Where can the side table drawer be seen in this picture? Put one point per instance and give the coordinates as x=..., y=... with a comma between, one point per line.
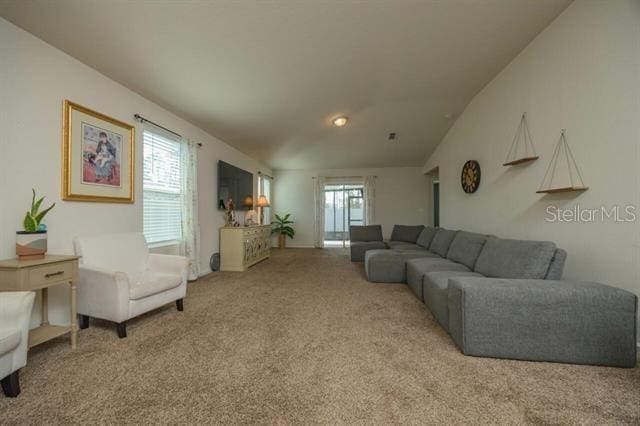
x=51, y=273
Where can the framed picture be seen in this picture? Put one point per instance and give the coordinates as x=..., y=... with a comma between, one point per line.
x=97, y=157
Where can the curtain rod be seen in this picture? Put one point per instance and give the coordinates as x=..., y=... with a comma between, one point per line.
x=264, y=174
x=342, y=177
x=141, y=119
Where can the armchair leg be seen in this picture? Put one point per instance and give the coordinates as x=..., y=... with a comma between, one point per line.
x=83, y=321
x=122, y=329
x=11, y=384
x=180, y=305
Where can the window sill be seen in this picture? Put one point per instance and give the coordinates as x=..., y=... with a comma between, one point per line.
x=164, y=244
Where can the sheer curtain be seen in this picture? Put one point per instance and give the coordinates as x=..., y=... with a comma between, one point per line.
x=318, y=195
x=369, y=200
x=190, y=224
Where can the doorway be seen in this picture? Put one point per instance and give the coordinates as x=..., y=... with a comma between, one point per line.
x=436, y=203
x=343, y=207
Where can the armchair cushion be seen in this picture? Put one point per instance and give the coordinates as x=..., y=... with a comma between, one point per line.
x=9, y=340
x=151, y=283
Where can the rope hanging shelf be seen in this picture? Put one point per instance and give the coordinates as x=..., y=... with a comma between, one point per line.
x=522, y=149
x=575, y=184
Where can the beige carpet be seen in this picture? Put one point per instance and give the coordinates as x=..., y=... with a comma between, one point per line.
x=303, y=338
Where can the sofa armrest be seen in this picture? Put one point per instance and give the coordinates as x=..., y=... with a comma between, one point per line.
x=169, y=264
x=103, y=294
x=543, y=320
x=15, y=314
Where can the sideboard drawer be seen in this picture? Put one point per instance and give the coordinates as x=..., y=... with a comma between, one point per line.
x=51, y=273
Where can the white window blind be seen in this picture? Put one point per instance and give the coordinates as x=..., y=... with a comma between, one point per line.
x=162, y=183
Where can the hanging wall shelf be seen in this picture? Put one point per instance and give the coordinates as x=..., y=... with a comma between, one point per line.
x=522, y=149
x=551, y=181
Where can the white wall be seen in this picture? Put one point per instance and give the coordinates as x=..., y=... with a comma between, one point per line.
x=402, y=195
x=35, y=78
x=583, y=74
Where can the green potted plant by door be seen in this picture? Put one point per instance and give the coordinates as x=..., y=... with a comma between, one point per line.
x=282, y=228
x=31, y=242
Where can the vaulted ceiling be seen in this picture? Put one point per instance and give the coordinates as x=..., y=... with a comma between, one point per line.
x=268, y=77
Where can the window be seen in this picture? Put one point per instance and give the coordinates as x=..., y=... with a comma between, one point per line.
x=264, y=188
x=162, y=183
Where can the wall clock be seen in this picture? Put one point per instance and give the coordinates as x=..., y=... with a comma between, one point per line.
x=470, y=178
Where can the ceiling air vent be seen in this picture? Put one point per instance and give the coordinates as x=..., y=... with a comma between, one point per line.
x=392, y=136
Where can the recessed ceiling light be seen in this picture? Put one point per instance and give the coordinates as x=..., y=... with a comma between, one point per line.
x=448, y=116
x=340, y=121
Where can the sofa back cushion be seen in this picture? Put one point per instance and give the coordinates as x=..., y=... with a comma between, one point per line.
x=124, y=252
x=442, y=241
x=407, y=233
x=365, y=233
x=466, y=247
x=557, y=265
x=426, y=236
x=502, y=258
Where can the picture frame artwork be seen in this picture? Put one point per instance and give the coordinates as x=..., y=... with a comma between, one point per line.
x=98, y=157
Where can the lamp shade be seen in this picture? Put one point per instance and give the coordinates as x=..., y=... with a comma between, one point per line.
x=263, y=202
x=248, y=201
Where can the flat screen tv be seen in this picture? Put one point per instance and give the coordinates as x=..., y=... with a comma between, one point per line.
x=233, y=183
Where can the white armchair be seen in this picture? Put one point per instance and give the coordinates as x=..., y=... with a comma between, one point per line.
x=120, y=279
x=15, y=313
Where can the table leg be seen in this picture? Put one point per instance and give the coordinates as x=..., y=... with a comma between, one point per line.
x=74, y=316
x=45, y=306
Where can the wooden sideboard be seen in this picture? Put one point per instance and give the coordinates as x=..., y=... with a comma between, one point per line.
x=243, y=246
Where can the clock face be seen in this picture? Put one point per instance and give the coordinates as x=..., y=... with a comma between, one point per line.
x=470, y=178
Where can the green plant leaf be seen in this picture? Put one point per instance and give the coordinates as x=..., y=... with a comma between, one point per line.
x=278, y=218
x=42, y=214
x=29, y=223
x=35, y=207
x=33, y=197
x=287, y=216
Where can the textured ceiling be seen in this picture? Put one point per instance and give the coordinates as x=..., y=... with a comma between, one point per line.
x=267, y=77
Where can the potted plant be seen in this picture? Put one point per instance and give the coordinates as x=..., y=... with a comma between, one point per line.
x=31, y=242
x=282, y=228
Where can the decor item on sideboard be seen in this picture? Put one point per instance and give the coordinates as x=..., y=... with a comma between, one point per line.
x=282, y=228
x=470, y=177
x=558, y=181
x=522, y=149
x=230, y=213
x=262, y=203
x=31, y=242
x=97, y=157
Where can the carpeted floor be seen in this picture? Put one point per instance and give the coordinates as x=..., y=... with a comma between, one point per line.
x=303, y=338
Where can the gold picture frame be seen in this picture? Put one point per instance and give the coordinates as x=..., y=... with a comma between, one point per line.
x=98, y=157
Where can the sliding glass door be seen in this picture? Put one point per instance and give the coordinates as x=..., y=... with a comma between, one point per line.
x=343, y=207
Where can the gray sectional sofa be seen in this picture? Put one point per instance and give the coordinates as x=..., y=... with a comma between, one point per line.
x=504, y=298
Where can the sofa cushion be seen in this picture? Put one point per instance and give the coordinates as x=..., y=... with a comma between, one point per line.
x=9, y=340
x=435, y=293
x=402, y=245
x=418, y=267
x=150, y=283
x=389, y=266
x=442, y=241
x=503, y=258
x=365, y=233
x=359, y=248
x=426, y=236
x=407, y=233
x=557, y=265
x=466, y=247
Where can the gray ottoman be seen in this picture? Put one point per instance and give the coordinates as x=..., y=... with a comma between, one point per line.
x=543, y=320
x=389, y=266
